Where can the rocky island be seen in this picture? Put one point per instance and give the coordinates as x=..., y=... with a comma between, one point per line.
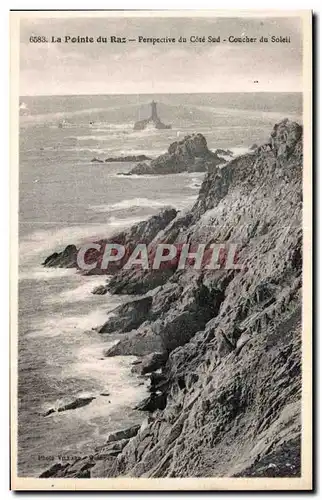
x=191, y=154
x=222, y=348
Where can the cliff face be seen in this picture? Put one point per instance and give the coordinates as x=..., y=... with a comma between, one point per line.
x=227, y=400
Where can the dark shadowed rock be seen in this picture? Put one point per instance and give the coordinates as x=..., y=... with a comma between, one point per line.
x=224, y=152
x=55, y=470
x=150, y=363
x=123, y=434
x=48, y=412
x=152, y=403
x=143, y=232
x=128, y=316
x=77, y=403
x=97, y=160
x=99, y=290
x=189, y=155
x=137, y=343
x=128, y=158
x=67, y=258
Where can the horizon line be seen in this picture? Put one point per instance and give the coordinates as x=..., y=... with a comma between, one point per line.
x=166, y=93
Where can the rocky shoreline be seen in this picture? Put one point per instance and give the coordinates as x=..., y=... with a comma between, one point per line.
x=222, y=348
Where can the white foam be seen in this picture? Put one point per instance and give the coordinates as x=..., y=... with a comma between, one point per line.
x=56, y=324
x=195, y=183
x=43, y=241
x=123, y=387
x=80, y=293
x=125, y=204
x=239, y=151
x=45, y=273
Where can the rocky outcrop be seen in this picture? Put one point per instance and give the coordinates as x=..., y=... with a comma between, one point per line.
x=191, y=154
x=96, y=160
x=123, y=434
x=144, y=232
x=128, y=316
x=67, y=258
x=227, y=402
x=76, y=403
x=224, y=152
x=150, y=363
x=99, y=290
x=127, y=159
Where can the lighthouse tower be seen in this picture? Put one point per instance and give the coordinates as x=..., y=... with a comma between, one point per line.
x=154, y=114
x=152, y=122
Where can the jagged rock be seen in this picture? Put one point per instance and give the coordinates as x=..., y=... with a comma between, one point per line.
x=143, y=232
x=99, y=290
x=55, y=470
x=253, y=147
x=137, y=282
x=150, y=363
x=190, y=154
x=128, y=316
x=67, y=258
x=153, y=402
x=284, y=138
x=123, y=434
x=136, y=343
x=224, y=152
x=97, y=160
x=113, y=448
x=48, y=412
x=77, y=403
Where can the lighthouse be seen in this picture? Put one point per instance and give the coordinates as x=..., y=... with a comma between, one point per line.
x=154, y=114
x=152, y=122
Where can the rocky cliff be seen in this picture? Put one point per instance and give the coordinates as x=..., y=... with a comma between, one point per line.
x=222, y=348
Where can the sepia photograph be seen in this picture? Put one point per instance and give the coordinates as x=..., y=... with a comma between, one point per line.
x=161, y=174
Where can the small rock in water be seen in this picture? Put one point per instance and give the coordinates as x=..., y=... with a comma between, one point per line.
x=48, y=412
x=99, y=290
x=77, y=403
x=105, y=393
x=97, y=160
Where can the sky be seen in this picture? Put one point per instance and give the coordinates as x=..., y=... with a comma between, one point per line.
x=135, y=68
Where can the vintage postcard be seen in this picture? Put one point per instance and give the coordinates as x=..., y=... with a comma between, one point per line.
x=161, y=177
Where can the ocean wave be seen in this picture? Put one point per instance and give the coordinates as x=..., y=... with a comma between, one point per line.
x=126, y=204
x=79, y=293
x=45, y=273
x=61, y=115
x=196, y=181
x=56, y=325
x=37, y=245
x=123, y=223
x=237, y=151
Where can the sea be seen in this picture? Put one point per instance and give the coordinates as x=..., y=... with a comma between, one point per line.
x=66, y=198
